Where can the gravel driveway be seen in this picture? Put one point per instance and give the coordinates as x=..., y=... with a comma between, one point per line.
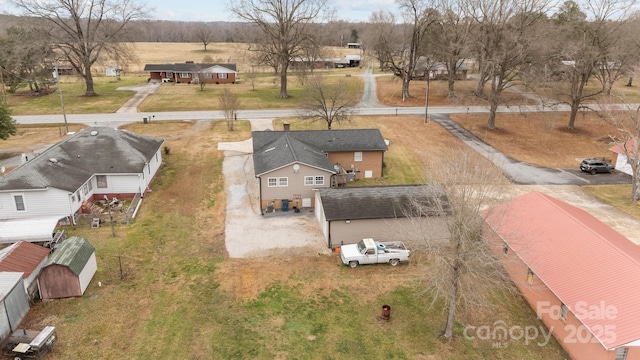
x=247, y=232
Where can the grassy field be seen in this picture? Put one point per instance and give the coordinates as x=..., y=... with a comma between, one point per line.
x=177, y=97
x=183, y=297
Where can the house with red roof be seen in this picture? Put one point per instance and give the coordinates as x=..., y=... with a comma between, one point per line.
x=580, y=276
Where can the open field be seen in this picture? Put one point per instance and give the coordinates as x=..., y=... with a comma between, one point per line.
x=182, y=297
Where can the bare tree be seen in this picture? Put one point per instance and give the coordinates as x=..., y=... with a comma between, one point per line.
x=84, y=30
x=588, y=43
x=330, y=103
x=509, y=39
x=229, y=103
x=204, y=32
x=252, y=77
x=450, y=40
x=402, y=56
x=465, y=270
x=285, y=25
x=25, y=55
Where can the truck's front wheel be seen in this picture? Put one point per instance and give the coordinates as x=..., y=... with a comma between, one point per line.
x=353, y=264
x=394, y=262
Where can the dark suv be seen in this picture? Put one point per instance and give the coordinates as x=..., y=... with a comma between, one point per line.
x=593, y=166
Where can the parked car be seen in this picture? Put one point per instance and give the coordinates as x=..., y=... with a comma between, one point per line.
x=594, y=166
x=368, y=251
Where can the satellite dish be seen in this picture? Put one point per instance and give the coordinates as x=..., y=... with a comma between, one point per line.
x=2, y=169
x=296, y=167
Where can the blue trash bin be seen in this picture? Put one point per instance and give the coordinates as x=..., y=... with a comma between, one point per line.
x=285, y=205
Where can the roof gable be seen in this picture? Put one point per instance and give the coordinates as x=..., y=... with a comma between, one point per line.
x=74, y=253
x=381, y=202
x=579, y=258
x=70, y=163
x=285, y=150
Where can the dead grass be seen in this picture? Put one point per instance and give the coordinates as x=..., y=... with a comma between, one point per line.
x=543, y=138
x=390, y=93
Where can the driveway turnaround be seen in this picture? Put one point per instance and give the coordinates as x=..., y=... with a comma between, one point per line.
x=248, y=233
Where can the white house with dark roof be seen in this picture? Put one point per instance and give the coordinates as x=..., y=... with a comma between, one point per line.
x=289, y=165
x=92, y=163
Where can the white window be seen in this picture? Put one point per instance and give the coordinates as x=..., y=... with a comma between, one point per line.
x=101, y=181
x=313, y=180
x=19, y=200
x=272, y=182
x=222, y=75
x=563, y=312
x=283, y=181
x=277, y=182
x=357, y=156
x=621, y=353
x=85, y=189
x=208, y=75
x=308, y=181
x=185, y=75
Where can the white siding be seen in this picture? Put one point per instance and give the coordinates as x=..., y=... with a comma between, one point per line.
x=129, y=183
x=52, y=202
x=622, y=164
x=5, y=326
x=87, y=272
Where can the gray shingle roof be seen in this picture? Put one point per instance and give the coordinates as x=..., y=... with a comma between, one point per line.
x=74, y=253
x=184, y=67
x=70, y=163
x=382, y=202
x=274, y=149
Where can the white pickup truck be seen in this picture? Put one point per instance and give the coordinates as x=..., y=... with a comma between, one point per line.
x=368, y=251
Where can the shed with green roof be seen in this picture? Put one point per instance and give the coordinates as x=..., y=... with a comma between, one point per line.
x=69, y=270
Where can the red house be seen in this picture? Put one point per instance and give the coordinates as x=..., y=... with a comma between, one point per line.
x=580, y=276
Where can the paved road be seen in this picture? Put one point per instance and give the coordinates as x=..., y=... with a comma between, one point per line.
x=519, y=173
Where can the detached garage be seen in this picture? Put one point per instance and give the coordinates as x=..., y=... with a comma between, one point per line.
x=13, y=302
x=69, y=270
x=411, y=213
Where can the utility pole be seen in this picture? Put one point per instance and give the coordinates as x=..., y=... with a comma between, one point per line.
x=426, y=102
x=64, y=114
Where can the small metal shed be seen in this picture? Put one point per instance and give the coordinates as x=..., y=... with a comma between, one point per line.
x=27, y=258
x=69, y=270
x=14, y=304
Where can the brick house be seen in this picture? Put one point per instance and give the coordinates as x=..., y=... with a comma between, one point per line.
x=192, y=73
x=291, y=164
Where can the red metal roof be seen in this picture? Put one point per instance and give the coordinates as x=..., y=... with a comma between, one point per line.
x=628, y=148
x=22, y=257
x=581, y=260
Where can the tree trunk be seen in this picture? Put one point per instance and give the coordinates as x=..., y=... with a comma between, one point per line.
x=453, y=300
x=630, y=83
x=405, y=87
x=480, y=87
x=451, y=92
x=284, y=65
x=573, y=114
x=635, y=186
x=88, y=79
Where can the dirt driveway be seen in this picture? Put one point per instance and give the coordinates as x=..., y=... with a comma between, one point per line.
x=248, y=233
